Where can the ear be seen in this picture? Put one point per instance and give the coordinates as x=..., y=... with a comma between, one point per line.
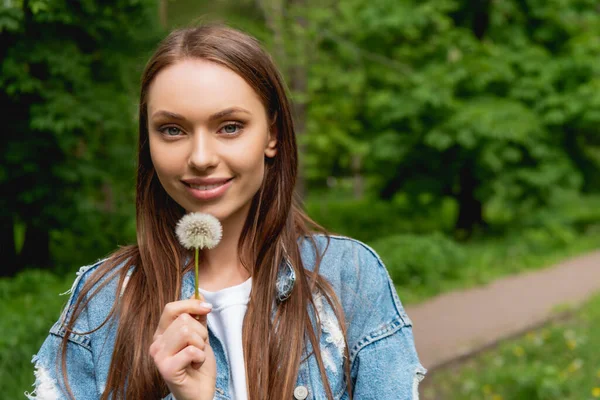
x=271, y=149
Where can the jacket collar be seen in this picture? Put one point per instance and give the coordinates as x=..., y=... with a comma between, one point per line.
x=286, y=278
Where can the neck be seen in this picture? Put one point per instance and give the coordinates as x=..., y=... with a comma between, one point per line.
x=221, y=267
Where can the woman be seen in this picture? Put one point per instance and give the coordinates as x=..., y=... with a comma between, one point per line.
x=216, y=136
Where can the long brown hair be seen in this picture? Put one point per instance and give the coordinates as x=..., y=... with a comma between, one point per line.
x=271, y=234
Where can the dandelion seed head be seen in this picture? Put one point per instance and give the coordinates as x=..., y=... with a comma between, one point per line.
x=199, y=230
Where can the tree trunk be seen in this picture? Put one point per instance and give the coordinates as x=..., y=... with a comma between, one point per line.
x=36, y=249
x=480, y=17
x=357, y=178
x=577, y=155
x=273, y=13
x=393, y=185
x=8, y=252
x=293, y=67
x=299, y=85
x=470, y=212
x=108, y=205
x=163, y=13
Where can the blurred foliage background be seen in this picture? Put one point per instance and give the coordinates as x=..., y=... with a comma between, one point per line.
x=459, y=138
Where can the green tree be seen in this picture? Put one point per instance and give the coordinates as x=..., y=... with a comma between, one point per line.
x=68, y=75
x=490, y=103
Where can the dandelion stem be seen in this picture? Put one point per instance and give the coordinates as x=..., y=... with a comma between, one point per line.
x=196, y=294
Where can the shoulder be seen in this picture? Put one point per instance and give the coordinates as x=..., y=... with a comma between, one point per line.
x=348, y=264
x=362, y=283
x=97, y=282
x=336, y=250
x=81, y=277
x=83, y=337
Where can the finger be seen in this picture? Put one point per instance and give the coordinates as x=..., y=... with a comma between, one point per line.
x=189, y=356
x=156, y=346
x=183, y=332
x=177, y=308
x=200, y=296
x=199, y=317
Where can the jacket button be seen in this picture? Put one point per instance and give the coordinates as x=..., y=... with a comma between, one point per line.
x=300, y=393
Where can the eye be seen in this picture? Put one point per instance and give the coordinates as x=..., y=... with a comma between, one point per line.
x=170, y=131
x=232, y=128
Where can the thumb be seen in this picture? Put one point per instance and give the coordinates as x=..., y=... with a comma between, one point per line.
x=200, y=317
x=199, y=297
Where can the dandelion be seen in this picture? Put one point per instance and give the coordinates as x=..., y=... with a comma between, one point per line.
x=545, y=334
x=563, y=375
x=487, y=389
x=498, y=361
x=538, y=341
x=575, y=365
x=518, y=351
x=198, y=231
x=570, y=334
x=596, y=392
x=469, y=385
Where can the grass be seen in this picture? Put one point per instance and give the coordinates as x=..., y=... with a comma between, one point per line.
x=559, y=361
x=29, y=305
x=489, y=260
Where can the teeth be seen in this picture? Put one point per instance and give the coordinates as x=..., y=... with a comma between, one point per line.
x=206, y=187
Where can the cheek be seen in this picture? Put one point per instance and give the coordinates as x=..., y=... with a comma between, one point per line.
x=164, y=160
x=246, y=157
x=249, y=165
x=259, y=161
x=256, y=179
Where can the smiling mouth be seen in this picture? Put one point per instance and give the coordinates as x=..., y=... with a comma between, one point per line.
x=208, y=187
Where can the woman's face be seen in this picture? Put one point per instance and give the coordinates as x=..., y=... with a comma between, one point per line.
x=209, y=136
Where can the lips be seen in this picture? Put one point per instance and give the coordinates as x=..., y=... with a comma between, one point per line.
x=207, y=188
x=205, y=181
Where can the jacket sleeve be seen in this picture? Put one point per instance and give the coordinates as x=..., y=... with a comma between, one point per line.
x=49, y=383
x=384, y=360
x=388, y=368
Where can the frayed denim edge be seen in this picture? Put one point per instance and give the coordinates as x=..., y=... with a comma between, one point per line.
x=45, y=386
x=419, y=376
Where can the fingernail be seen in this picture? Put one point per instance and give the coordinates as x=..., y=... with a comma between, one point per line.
x=206, y=305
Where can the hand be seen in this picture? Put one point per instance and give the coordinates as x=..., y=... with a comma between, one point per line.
x=182, y=353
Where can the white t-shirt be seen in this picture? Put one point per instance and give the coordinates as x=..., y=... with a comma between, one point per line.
x=225, y=321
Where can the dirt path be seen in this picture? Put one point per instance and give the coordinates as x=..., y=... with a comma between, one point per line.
x=457, y=324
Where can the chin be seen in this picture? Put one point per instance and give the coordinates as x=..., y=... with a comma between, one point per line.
x=221, y=209
x=217, y=212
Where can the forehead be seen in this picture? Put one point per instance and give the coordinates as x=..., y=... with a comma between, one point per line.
x=196, y=86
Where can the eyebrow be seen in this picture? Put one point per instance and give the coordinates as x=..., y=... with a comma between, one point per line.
x=218, y=115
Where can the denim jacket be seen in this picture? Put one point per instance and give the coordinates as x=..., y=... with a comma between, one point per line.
x=384, y=363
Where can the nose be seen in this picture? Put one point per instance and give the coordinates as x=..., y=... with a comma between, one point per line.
x=203, y=155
